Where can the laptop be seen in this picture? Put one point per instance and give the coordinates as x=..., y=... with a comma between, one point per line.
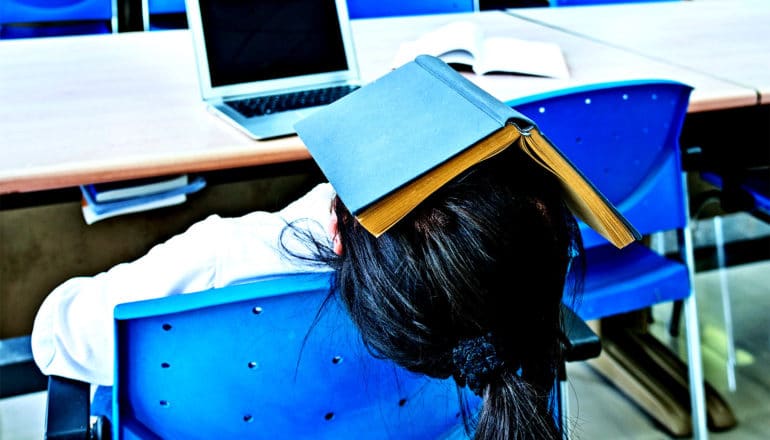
x=265, y=64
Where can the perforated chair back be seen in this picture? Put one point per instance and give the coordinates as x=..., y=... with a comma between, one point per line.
x=371, y=9
x=625, y=137
x=38, y=18
x=259, y=361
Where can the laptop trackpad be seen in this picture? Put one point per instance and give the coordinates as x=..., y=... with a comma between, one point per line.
x=276, y=124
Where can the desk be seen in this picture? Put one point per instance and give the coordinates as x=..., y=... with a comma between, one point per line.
x=588, y=61
x=76, y=110
x=109, y=107
x=729, y=40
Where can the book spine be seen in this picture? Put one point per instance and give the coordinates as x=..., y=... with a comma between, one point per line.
x=128, y=189
x=490, y=105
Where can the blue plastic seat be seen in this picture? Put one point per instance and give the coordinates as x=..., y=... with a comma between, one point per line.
x=625, y=137
x=45, y=18
x=371, y=9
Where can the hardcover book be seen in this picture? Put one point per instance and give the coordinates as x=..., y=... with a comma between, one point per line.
x=94, y=210
x=389, y=145
x=126, y=189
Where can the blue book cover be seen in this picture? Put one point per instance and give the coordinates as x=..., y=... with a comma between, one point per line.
x=389, y=145
x=124, y=204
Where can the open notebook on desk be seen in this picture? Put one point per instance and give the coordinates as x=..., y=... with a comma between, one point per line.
x=265, y=65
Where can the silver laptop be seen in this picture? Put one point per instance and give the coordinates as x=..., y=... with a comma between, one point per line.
x=265, y=64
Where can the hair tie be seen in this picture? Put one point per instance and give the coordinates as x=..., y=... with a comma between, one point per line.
x=475, y=361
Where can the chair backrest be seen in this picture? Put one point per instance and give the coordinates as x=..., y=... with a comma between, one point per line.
x=257, y=360
x=166, y=6
x=32, y=18
x=378, y=8
x=625, y=137
x=164, y=14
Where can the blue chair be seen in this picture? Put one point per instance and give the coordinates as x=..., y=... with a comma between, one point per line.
x=371, y=9
x=625, y=137
x=164, y=14
x=268, y=359
x=46, y=18
x=274, y=359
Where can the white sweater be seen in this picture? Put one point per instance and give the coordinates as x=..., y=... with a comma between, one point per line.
x=73, y=330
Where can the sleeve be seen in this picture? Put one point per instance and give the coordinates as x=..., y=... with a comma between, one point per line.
x=72, y=334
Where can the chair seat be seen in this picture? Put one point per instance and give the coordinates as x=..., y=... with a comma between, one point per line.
x=53, y=29
x=46, y=18
x=621, y=280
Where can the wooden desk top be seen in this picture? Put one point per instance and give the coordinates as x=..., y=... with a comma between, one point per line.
x=85, y=109
x=726, y=39
x=77, y=110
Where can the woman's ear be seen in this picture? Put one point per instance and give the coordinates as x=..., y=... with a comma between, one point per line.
x=334, y=233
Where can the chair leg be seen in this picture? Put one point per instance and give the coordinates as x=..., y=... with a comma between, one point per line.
x=695, y=362
x=727, y=312
x=695, y=369
x=67, y=412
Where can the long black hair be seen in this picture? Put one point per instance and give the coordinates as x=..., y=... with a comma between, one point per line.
x=469, y=285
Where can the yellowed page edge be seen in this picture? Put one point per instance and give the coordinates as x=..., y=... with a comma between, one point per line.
x=383, y=214
x=581, y=197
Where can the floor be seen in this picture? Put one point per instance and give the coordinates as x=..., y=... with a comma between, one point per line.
x=600, y=411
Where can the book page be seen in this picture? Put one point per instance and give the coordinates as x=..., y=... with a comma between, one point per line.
x=458, y=42
x=513, y=55
x=585, y=200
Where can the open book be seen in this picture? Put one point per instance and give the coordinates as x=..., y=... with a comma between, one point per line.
x=389, y=145
x=463, y=44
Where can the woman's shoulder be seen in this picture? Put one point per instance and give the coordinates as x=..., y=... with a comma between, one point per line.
x=315, y=204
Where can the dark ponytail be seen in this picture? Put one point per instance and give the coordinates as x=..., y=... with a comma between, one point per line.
x=514, y=409
x=469, y=285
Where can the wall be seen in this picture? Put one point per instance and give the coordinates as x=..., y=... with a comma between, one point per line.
x=42, y=246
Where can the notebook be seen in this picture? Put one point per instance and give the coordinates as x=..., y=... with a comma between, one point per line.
x=258, y=60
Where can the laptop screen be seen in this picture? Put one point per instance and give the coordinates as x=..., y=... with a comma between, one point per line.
x=248, y=41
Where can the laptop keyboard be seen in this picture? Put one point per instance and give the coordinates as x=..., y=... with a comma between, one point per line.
x=263, y=105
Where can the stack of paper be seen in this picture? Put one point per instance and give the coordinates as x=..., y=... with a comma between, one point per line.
x=105, y=200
